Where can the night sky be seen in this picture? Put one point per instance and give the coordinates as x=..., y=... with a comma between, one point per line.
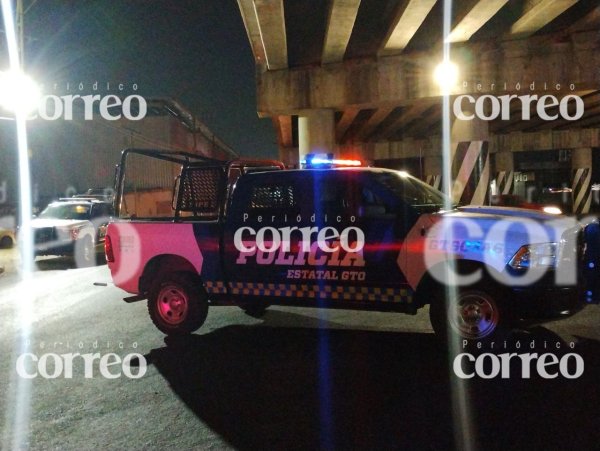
x=195, y=51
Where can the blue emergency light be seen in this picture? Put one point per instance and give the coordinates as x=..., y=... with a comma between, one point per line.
x=324, y=161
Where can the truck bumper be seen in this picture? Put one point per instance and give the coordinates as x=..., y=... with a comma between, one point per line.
x=546, y=303
x=55, y=248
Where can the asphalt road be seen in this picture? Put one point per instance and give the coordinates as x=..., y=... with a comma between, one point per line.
x=298, y=378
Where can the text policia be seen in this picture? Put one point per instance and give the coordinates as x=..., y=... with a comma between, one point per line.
x=331, y=248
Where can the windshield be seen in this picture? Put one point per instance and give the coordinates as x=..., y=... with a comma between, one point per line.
x=66, y=211
x=412, y=191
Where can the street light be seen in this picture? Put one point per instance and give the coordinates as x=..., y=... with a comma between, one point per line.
x=18, y=92
x=446, y=75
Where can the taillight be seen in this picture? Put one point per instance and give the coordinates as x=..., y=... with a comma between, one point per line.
x=108, y=249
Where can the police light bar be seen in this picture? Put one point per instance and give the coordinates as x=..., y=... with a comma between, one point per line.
x=327, y=161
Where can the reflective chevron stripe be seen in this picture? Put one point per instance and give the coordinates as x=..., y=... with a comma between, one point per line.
x=434, y=181
x=215, y=287
x=339, y=292
x=504, y=182
x=471, y=173
x=582, y=193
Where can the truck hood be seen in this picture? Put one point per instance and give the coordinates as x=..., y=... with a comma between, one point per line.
x=544, y=227
x=495, y=233
x=39, y=223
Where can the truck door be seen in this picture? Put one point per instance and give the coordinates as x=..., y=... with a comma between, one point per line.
x=368, y=211
x=262, y=207
x=343, y=236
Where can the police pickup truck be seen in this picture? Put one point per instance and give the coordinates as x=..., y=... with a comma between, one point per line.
x=189, y=232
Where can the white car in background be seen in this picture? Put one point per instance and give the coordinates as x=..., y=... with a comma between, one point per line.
x=74, y=226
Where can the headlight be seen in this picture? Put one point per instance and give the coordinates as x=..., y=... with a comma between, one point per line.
x=553, y=210
x=534, y=256
x=69, y=233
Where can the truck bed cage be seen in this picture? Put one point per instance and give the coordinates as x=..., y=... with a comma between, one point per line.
x=190, y=162
x=194, y=160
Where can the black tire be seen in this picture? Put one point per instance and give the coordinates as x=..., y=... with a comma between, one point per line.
x=6, y=242
x=177, y=304
x=470, y=313
x=85, y=253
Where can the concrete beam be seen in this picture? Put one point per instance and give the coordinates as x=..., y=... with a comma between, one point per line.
x=512, y=142
x=592, y=106
x=271, y=23
x=409, y=148
x=345, y=121
x=411, y=113
x=373, y=122
x=339, y=28
x=431, y=123
x=406, y=25
x=591, y=118
x=476, y=18
x=252, y=30
x=549, y=139
x=590, y=98
x=590, y=21
x=400, y=80
x=537, y=14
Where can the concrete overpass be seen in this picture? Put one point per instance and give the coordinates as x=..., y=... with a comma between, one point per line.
x=354, y=77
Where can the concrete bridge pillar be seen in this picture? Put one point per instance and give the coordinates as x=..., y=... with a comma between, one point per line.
x=316, y=132
x=470, y=169
x=581, y=165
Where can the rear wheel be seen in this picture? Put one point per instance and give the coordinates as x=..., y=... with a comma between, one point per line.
x=470, y=313
x=177, y=304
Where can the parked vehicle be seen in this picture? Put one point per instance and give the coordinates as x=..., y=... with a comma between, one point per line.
x=359, y=238
x=72, y=226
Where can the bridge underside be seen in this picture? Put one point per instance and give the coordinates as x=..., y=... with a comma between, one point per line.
x=355, y=78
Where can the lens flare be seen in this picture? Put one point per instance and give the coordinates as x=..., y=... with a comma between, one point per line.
x=19, y=402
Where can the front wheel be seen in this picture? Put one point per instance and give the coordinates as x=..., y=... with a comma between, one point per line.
x=177, y=304
x=85, y=253
x=6, y=242
x=471, y=314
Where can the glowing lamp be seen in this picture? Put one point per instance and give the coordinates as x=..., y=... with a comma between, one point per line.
x=18, y=92
x=446, y=75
